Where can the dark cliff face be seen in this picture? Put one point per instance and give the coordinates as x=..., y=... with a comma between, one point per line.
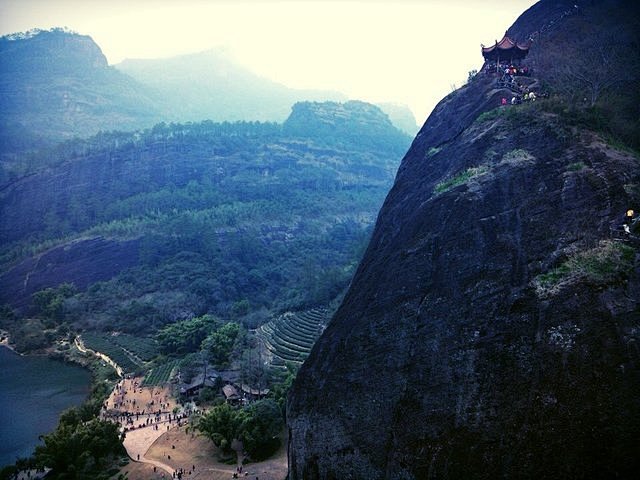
x=81, y=262
x=491, y=329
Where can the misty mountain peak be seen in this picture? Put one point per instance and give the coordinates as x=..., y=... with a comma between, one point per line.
x=336, y=113
x=50, y=51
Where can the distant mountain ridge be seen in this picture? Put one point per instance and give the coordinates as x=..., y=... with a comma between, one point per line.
x=45, y=51
x=211, y=86
x=57, y=84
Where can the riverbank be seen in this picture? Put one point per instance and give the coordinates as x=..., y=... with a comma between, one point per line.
x=5, y=341
x=22, y=428
x=35, y=390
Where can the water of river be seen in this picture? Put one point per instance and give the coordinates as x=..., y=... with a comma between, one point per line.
x=33, y=393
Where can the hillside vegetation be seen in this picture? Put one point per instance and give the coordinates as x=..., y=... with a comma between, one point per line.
x=240, y=220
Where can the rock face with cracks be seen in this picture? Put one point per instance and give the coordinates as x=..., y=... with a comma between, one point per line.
x=492, y=328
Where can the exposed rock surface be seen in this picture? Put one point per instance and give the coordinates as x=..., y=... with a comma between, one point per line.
x=492, y=328
x=82, y=262
x=352, y=121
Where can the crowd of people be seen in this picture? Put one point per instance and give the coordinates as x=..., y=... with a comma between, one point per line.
x=518, y=99
x=509, y=77
x=131, y=415
x=507, y=69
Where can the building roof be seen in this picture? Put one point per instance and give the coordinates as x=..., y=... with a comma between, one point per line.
x=505, y=49
x=254, y=391
x=230, y=392
x=198, y=382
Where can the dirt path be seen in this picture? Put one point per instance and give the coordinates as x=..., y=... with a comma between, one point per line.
x=145, y=414
x=82, y=347
x=137, y=442
x=185, y=449
x=182, y=449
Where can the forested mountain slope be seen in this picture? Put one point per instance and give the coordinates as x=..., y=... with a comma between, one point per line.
x=491, y=329
x=185, y=219
x=56, y=85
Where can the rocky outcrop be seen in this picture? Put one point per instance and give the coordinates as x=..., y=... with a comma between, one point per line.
x=82, y=263
x=491, y=329
x=350, y=122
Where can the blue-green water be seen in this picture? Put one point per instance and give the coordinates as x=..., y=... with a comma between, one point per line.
x=33, y=393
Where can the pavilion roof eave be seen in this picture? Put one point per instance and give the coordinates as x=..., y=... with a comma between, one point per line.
x=508, y=46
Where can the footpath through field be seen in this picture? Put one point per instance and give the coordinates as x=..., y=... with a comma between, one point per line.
x=82, y=347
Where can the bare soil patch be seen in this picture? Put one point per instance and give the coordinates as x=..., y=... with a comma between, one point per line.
x=179, y=446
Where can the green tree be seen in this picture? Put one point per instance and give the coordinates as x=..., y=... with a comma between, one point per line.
x=280, y=389
x=50, y=301
x=260, y=428
x=222, y=425
x=220, y=343
x=78, y=449
x=187, y=335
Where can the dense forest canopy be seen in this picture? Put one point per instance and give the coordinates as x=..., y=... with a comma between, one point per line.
x=235, y=219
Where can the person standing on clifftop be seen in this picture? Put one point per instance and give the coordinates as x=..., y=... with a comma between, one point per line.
x=628, y=220
x=629, y=217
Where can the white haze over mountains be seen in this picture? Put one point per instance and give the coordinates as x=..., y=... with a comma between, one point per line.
x=407, y=51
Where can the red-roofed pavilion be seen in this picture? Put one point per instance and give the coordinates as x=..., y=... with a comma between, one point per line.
x=506, y=50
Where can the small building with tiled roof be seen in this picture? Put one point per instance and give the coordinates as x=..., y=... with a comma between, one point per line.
x=231, y=394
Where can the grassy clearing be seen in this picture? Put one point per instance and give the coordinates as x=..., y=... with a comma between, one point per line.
x=608, y=263
x=459, y=179
x=576, y=167
x=517, y=156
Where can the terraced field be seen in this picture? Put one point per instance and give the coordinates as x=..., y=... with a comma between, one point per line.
x=290, y=336
x=160, y=374
x=130, y=353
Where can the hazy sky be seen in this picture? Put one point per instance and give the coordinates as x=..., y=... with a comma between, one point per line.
x=404, y=51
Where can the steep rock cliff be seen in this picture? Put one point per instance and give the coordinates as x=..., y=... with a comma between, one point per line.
x=81, y=262
x=491, y=329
